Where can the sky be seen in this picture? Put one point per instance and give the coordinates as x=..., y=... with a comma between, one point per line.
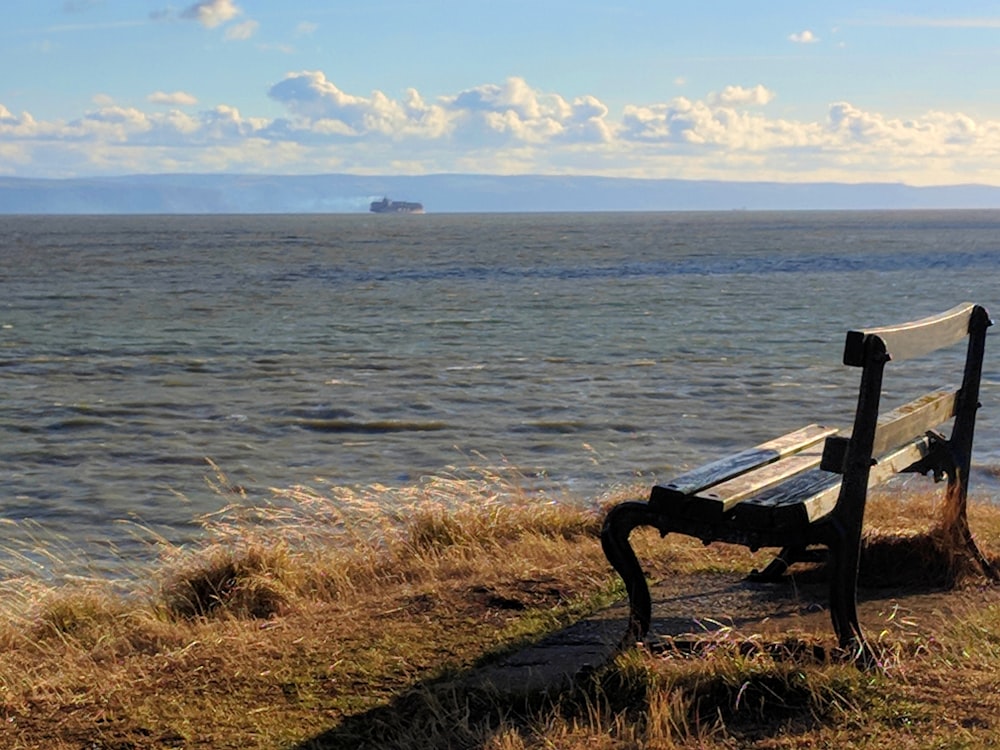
x=906, y=91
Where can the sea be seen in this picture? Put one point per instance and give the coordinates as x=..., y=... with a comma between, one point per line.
x=583, y=352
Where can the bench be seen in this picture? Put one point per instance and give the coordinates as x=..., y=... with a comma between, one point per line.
x=806, y=491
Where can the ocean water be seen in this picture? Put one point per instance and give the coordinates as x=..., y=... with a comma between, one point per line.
x=585, y=350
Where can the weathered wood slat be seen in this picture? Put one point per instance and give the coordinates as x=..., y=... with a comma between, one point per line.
x=727, y=494
x=813, y=495
x=897, y=427
x=913, y=339
x=885, y=467
x=715, y=501
x=739, y=463
x=913, y=419
x=804, y=498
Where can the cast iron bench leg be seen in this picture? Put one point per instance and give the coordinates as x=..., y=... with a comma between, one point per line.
x=774, y=570
x=618, y=524
x=984, y=564
x=844, y=557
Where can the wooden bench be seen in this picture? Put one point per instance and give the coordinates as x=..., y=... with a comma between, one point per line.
x=806, y=490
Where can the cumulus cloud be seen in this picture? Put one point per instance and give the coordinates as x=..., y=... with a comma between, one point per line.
x=310, y=95
x=23, y=127
x=111, y=123
x=514, y=96
x=508, y=113
x=513, y=126
x=176, y=99
x=212, y=13
x=321, y=106
x=935, y=133
x=516, y=111
x=225, y=122
x=737, y=96
x=719, y=121
x=804, y=37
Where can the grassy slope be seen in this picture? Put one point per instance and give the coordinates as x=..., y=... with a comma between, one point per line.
x=330, y=622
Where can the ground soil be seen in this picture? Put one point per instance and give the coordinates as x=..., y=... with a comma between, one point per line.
x=692, y=610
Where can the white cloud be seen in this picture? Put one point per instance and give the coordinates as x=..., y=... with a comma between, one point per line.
x=212, y=13
x=12, y=156
x=933, y=134
x=516, y=111
x=226, y=123
x=25, y=127
x=508, y=127
x=720, y=121
x=804, y=37
x=177, y=122
x=513, y=96
x=738, y=96
x=509, y=113
x=320, y=105
x=309, y=93
x=177, y=98
x=241, y=31
x=111, y=123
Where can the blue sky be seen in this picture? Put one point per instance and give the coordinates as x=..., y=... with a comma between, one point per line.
x=774, y=90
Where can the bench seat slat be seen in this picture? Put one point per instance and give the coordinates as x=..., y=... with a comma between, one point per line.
x=813, y=494
x=734, y=490
x=739, y=463
x=712, y=503
x=809, y=496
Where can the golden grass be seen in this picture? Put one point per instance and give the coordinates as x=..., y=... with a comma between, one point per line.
x=340, y=617
x=294, y=614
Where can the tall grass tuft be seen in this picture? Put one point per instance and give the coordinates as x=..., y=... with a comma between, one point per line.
x=253, y=582
x=932, y=551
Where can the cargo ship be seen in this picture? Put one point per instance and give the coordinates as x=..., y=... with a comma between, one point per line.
x=386, y=206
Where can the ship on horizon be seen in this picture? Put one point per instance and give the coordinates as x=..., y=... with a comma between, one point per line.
x=386, y=206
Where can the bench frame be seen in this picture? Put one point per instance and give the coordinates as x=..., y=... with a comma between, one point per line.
x=789, y=494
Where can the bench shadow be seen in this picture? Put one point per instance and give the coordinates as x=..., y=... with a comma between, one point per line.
x=461, y=710
x=788, y=619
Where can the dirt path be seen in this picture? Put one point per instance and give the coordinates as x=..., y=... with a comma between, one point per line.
x=729, y=606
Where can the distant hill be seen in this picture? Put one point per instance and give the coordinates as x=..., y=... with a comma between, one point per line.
x=447, y=193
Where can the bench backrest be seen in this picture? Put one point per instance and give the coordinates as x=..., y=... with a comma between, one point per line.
x=872, y=350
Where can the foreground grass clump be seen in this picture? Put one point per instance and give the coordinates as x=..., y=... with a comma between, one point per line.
x=294, y=615
x=350, y=618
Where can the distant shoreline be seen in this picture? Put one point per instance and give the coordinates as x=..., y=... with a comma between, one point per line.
x=463, y=193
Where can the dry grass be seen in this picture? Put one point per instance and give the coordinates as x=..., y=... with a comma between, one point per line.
x=337, y=618
x=294, y=614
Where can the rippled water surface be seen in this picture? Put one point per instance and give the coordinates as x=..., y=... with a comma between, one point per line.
x=584, y=349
